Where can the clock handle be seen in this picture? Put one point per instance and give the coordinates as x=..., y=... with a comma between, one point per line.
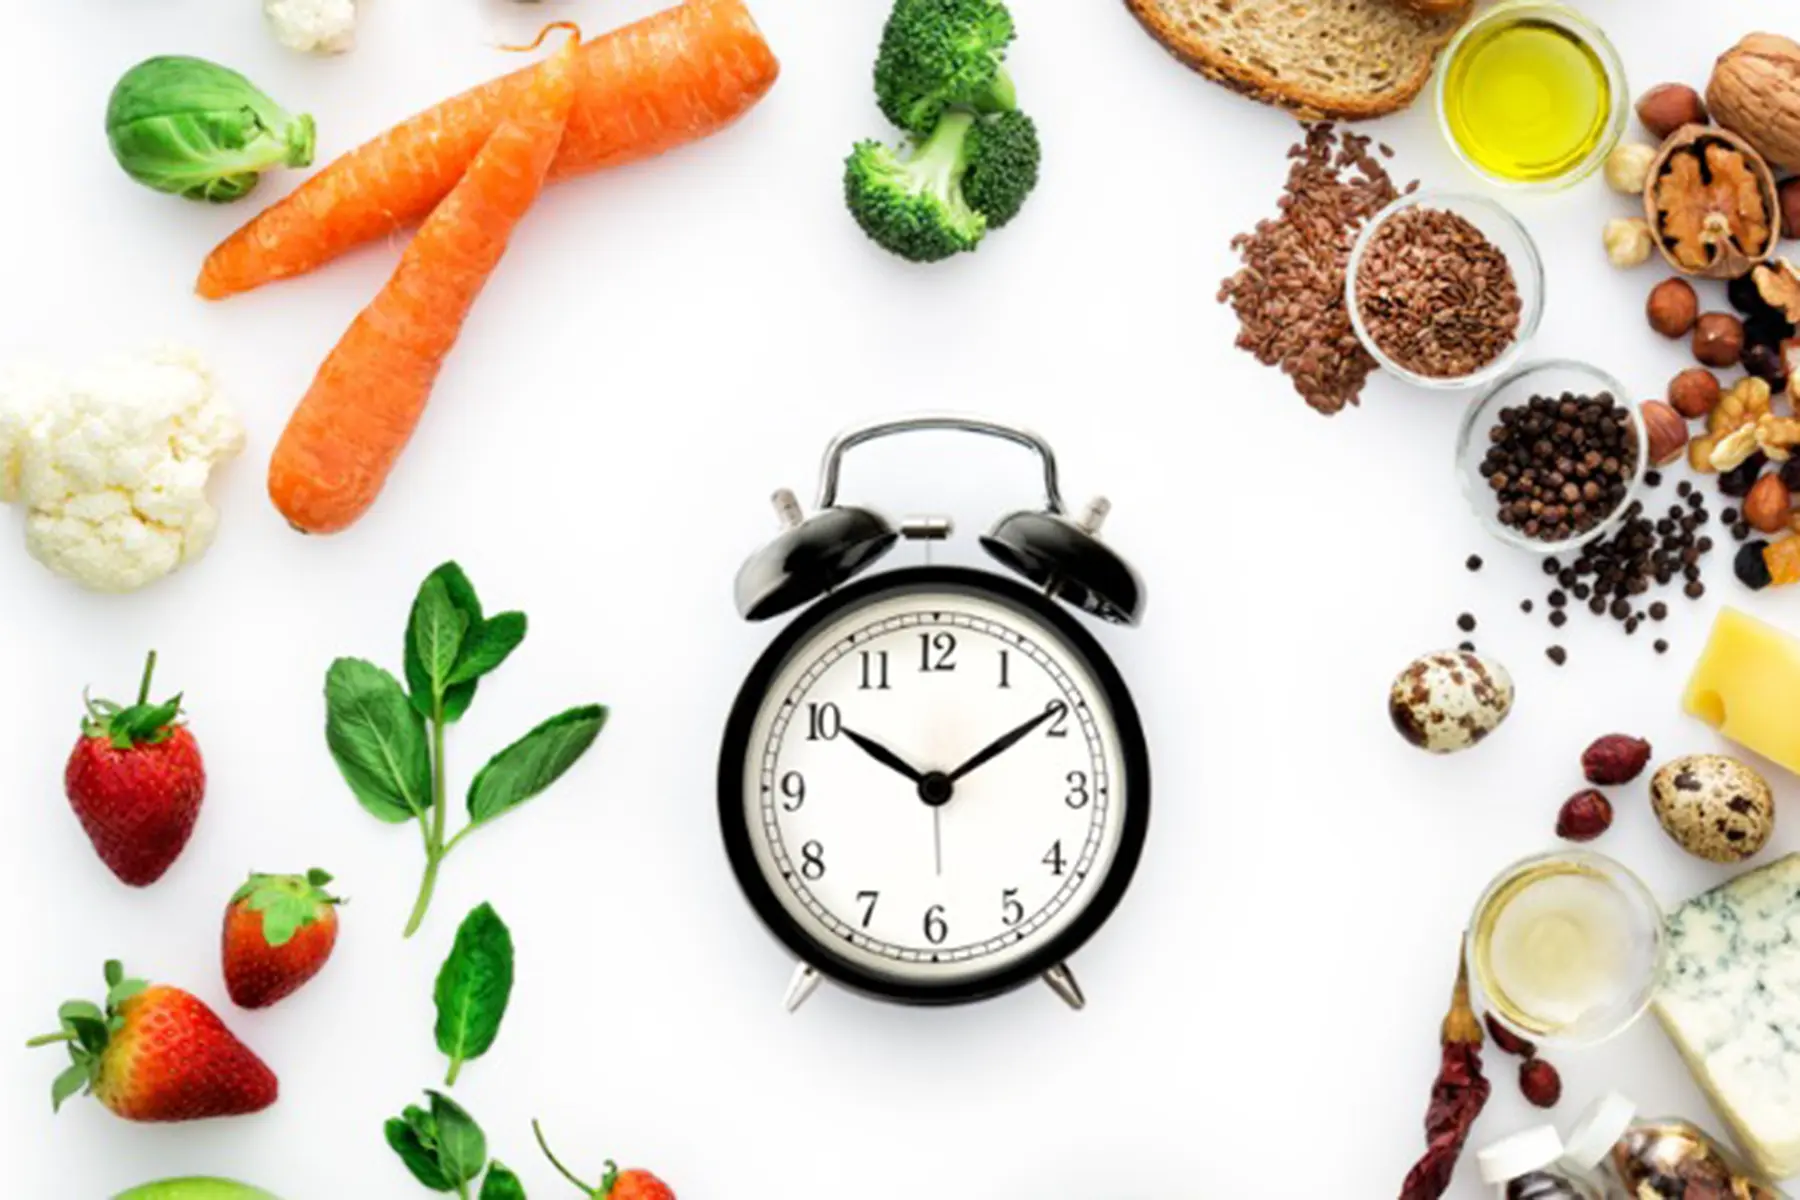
x=851, y=438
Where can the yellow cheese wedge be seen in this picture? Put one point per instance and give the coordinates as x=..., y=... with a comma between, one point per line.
x=1747, y=686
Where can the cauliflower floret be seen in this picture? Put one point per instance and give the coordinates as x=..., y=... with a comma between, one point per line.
x=313, y=26
x=26, y=390
x=113, y=467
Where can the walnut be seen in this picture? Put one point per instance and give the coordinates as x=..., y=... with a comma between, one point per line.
x=1778, y=283
x=1711, y=200
x=1778, y=436
x=1755, y=92
x=1732, y=427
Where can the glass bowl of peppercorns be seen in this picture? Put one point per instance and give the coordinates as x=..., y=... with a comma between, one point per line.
x=1551, y=456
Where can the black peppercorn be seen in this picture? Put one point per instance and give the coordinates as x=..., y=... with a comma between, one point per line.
x=1474, y=563
x=1466, y=623
x=1524, y=606
x=1662, y=647
x=1694, y=590
x=1557, y=655
x=1559, y=618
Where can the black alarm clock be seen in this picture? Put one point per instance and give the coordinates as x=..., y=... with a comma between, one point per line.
x=934, y=785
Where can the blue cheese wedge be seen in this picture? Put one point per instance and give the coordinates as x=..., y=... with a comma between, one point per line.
x=1730, y=1001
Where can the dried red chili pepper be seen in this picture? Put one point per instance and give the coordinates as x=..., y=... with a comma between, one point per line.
x=1458, y=1095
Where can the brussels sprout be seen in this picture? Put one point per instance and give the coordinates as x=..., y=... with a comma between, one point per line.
x=194, y=128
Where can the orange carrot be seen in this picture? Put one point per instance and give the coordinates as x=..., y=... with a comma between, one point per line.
x=366, y=400
x=669, y=79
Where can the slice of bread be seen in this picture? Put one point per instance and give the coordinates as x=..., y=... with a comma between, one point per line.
x=1433, y=8
x=1344, y=59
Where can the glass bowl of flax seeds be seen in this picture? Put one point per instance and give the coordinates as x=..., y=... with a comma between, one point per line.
x=1552, y=456
x=1444, y=289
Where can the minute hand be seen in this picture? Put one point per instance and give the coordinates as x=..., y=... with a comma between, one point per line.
x=1006, y=742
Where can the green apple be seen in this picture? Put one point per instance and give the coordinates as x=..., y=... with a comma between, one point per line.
x=196, y=1189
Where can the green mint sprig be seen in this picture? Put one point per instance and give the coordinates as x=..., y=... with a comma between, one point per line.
x=446, y=1151
x=388, y=739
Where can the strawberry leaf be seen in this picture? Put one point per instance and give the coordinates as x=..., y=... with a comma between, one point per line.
x=115, y=972
x=90, y=1034
x=71, y=1082
x=534, y=762
x=143, y=724
x=287, y=903
x=474, y=988
x=122, y=991
x=80, y=1010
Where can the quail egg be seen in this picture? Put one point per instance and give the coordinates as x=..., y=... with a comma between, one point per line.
x=1450, y=700
x=1714, y=806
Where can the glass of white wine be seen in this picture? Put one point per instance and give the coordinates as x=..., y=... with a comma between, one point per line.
x=1566, y=948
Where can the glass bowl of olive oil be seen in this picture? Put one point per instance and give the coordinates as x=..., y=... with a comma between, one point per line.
x=1566, y=948
x=1532, y=94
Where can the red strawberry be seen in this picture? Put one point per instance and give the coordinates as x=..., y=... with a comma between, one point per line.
x=157, y=1054
x=136, y=781
x=633, y=1184
x=279, y=930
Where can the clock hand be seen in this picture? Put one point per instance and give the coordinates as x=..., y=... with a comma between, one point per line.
x=882, y=754
x=1002, y=744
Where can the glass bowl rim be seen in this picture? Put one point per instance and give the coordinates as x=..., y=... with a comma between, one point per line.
x=1532, y=287
x=1629, y=883
x=1610, y=60
x=1476, y=491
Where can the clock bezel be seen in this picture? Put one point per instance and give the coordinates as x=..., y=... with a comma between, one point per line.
x=734, y=823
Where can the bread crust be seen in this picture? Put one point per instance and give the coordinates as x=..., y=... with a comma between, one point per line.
x=1438, y=8
x=1301, y=101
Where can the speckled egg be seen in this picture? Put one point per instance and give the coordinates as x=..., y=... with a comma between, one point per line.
x=1450, y=700
x=1714, y=806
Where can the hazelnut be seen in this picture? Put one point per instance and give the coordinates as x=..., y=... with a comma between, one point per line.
x=1718, y=339
x=1628, y=167
x=1768, y=504
x=1673, y=308
x=1615, y=758
x=1628, y=241
x=1540, y=1083
x=1584, y=817
x=1694, y=392
x=1667, y=107
x=1788, y=196
x=1667, y=430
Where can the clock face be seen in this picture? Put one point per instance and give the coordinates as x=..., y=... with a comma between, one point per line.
x=937, y=785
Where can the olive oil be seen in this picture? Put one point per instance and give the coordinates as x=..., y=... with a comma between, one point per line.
x=1527, y=98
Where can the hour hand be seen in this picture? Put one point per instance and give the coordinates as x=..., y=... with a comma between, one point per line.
x=883, y=755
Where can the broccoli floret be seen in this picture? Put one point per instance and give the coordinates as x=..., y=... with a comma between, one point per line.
x=941, y=53
x=1003, y=165
x=915, y=206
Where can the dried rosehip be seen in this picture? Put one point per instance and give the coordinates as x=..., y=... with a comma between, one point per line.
x=1584, y=816
x=1540, y=1083
x=1615, y=758
x=1507, y=1040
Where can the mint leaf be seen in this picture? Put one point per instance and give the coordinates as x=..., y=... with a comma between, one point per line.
x=418, y=678
x=488, y=645
x=501, y=1184
x=534, y=762
x=378, y=740
x=461, y=1146
x=418, y=1151
x=473, y=988
x=435, y=634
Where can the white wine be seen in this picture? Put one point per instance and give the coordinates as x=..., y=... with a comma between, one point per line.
x=1560, y=945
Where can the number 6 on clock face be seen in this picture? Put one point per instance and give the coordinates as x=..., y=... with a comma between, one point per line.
x=934, y=786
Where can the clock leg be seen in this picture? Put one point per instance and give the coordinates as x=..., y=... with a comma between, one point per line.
x=1062, y=982
x=805, y=982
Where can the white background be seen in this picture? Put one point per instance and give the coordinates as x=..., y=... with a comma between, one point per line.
x=663, y=346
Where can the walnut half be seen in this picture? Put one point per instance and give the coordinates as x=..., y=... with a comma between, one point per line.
x=1711, y=201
